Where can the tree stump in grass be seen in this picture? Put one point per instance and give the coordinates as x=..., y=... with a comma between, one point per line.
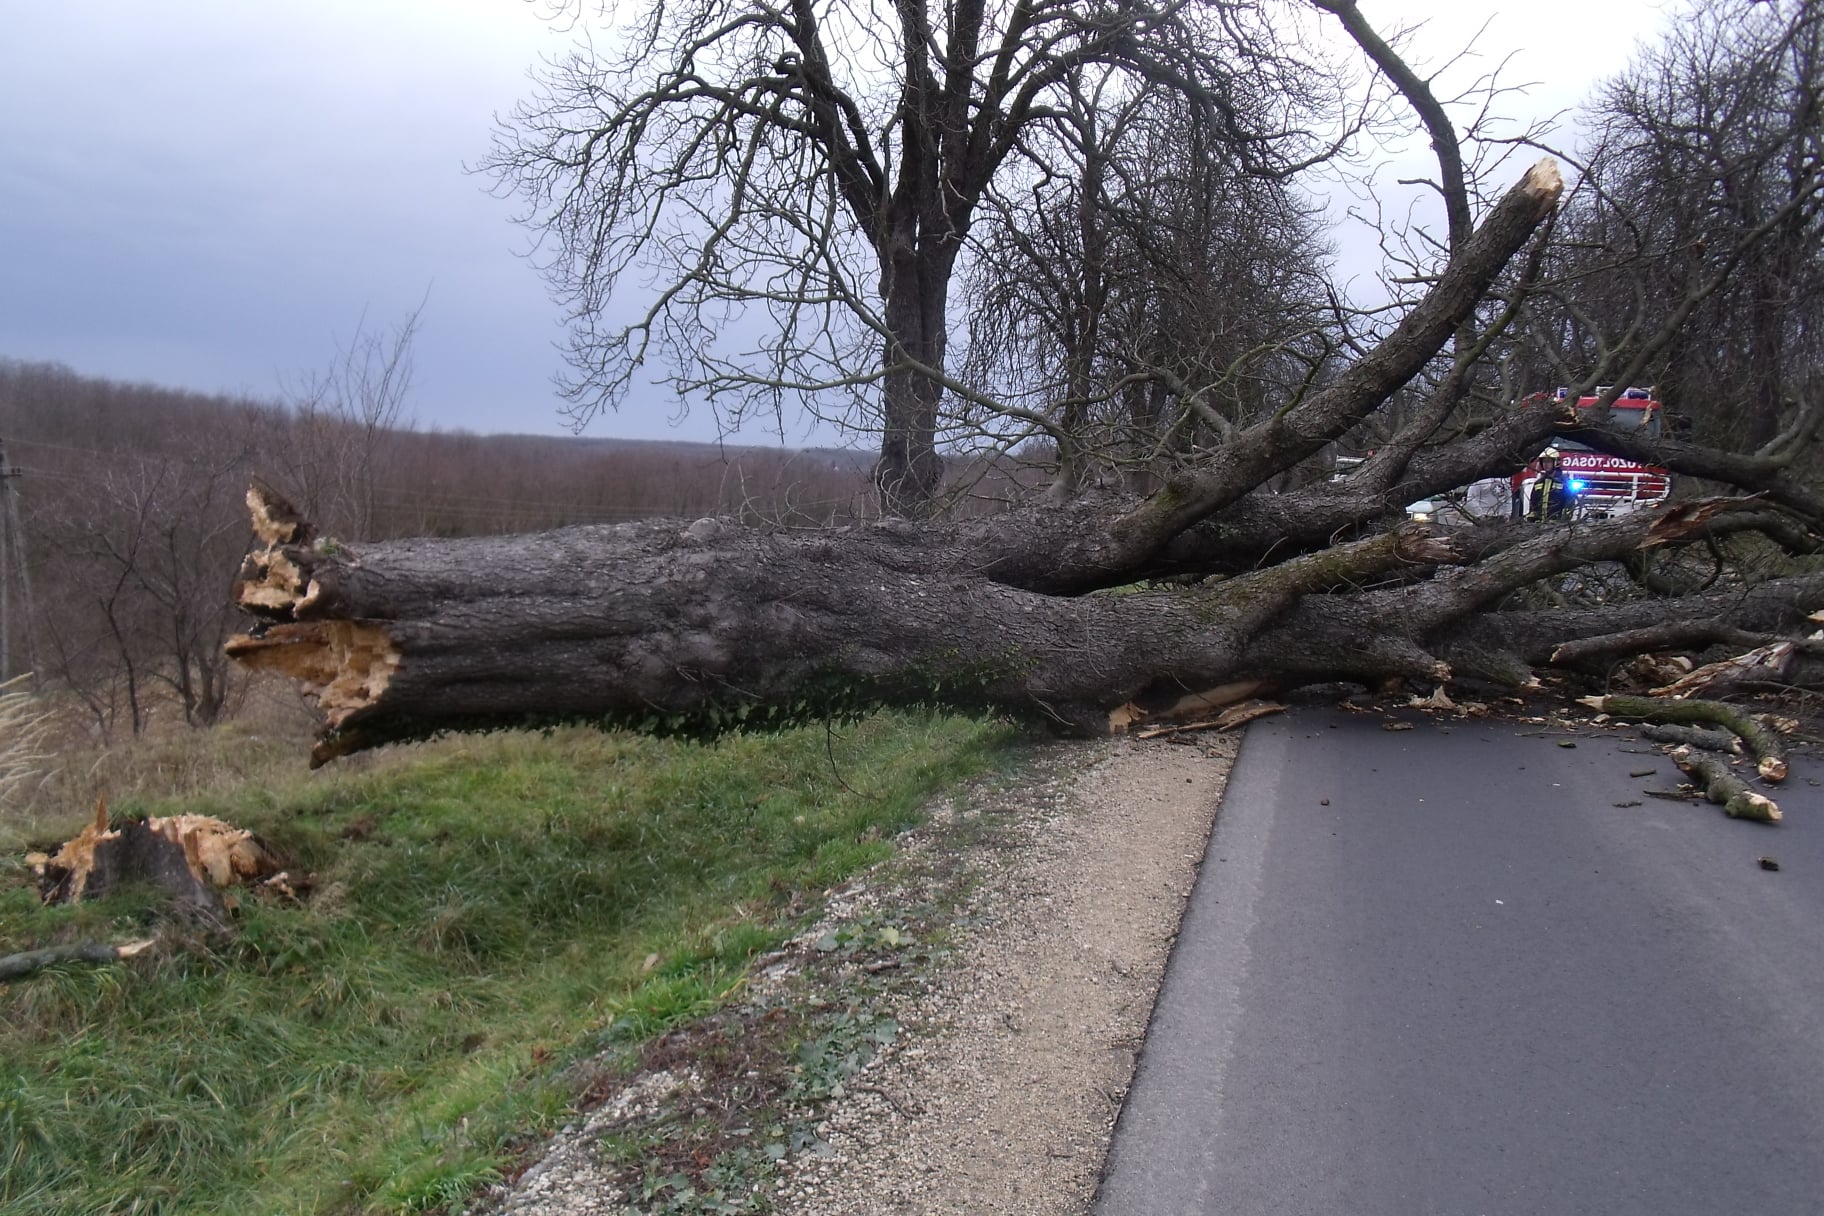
x=188, y=857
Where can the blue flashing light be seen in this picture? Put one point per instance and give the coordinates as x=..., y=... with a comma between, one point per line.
x=1577, y=485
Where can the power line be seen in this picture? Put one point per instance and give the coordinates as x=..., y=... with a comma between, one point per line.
x=491, y=512
x=104, y=453
x=443, y=496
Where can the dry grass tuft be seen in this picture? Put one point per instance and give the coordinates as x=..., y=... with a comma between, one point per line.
x=25, y=764
x=65, y=767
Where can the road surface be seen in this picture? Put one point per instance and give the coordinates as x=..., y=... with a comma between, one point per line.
x=1440, y=971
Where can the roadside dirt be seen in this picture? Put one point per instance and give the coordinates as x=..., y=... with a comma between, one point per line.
x=1004, y=1091
x=977, y=1005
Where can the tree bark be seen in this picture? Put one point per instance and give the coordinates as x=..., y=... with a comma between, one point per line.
x=30, y=962
x=1693, y=736
x=1770, y=753
x=1726, y=789
x=915, y=290
x=704, y=627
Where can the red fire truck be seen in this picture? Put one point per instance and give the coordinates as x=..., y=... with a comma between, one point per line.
x=1609, y=485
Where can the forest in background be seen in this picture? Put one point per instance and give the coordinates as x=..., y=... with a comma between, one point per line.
x=129, y=518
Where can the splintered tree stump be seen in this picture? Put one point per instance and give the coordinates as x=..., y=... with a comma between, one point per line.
x=188, y=857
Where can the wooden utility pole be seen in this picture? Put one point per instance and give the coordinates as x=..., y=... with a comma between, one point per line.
x=15, y=582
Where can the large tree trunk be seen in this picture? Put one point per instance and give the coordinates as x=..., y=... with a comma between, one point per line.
x=703, y=627
x=915, y=288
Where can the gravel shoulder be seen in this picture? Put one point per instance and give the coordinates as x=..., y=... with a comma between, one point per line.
x=998, y=974
x=1005, y=1091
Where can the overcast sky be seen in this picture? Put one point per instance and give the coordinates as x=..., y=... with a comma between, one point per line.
x=210, y=194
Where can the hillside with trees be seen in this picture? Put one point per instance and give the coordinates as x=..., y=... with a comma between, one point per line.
x=130, y=514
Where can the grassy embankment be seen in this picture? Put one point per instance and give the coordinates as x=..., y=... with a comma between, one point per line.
x=485, y=910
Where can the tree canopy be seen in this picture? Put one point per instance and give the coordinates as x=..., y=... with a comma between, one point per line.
x=800, y=184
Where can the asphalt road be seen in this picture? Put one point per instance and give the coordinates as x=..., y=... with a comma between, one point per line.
x=1472, y=984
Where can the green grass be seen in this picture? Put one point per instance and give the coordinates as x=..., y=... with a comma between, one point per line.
x=484, y=909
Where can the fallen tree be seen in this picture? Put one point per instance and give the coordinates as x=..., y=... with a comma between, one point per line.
x=705, y=626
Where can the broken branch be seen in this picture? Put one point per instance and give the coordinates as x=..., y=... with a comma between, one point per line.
x=1726, y=789
x=30, y=962
x=1769, y=753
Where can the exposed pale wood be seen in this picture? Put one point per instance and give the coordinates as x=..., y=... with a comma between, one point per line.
x=1683, y=520
x=348, y=664
x=1191, y=705
x=1229, y=719
x=275, y=521
x=1764, y=664
x=187, y=856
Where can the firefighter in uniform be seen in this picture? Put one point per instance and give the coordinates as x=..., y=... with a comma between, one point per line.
x=1552, y=495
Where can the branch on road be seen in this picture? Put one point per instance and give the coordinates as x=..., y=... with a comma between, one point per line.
x=1770, y=754
x=1725, y=788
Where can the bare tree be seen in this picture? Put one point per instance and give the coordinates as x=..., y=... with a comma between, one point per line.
x=1143, y=295
x=1707, y=221
x=802, y=182
x=138, y=560
x=344, y=418
x=1689, y=256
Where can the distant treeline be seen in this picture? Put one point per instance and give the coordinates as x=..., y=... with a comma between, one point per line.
x=128, y=520
x=61, y=425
